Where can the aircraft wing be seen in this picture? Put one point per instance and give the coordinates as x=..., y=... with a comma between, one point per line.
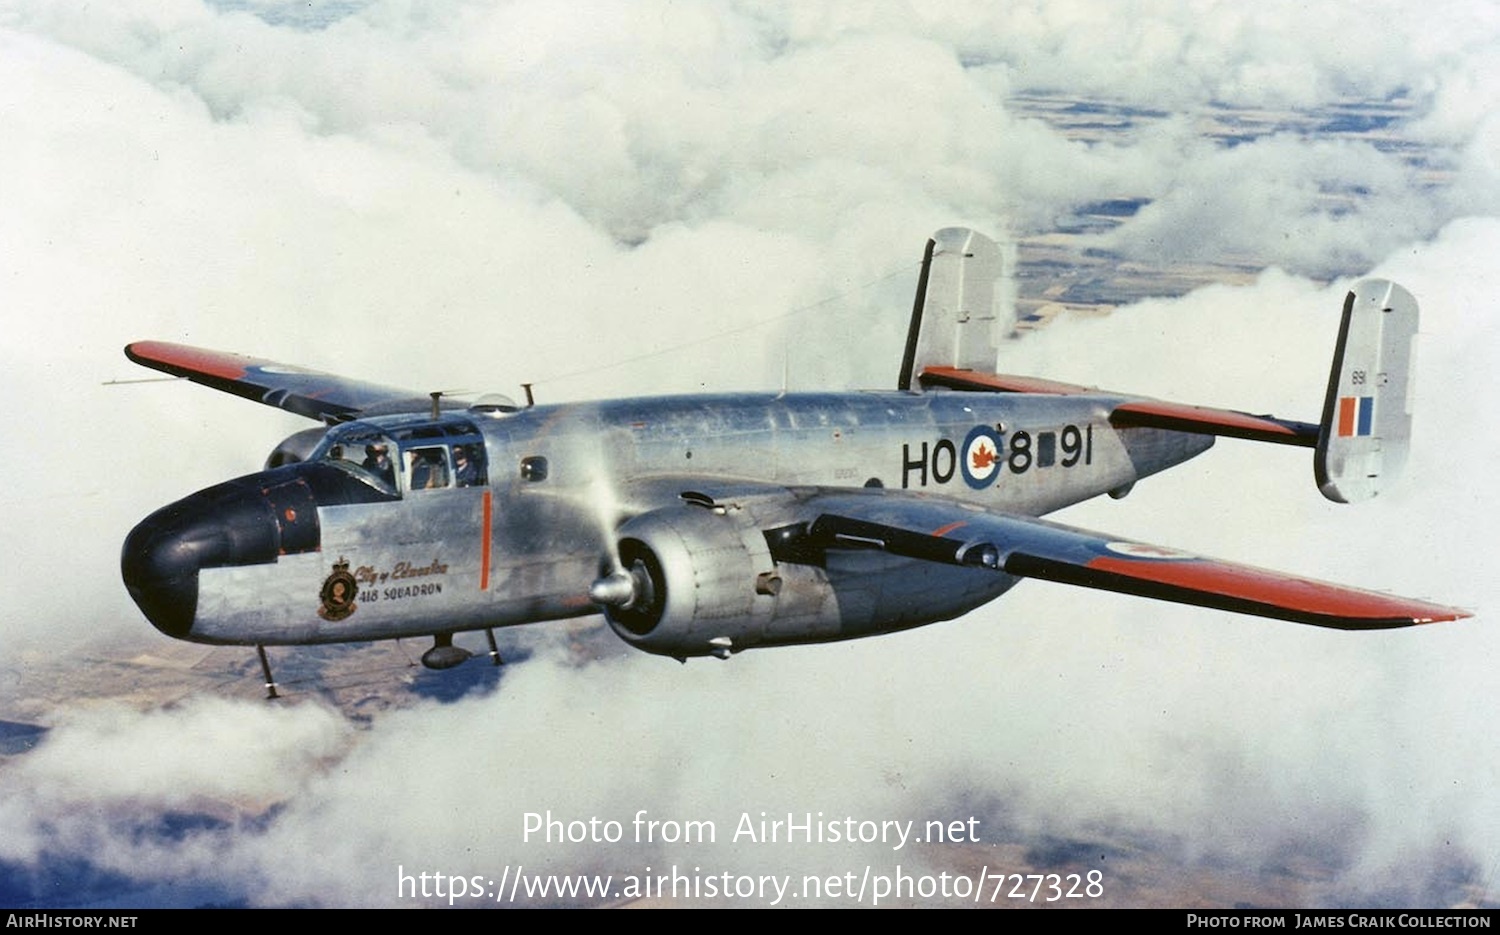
x=944, y=531
x=1152, y=413
x=311, y=393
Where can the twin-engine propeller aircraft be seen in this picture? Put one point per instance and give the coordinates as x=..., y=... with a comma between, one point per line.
x=707, y=525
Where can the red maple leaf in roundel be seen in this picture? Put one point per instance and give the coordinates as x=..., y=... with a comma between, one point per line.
x=983, y=457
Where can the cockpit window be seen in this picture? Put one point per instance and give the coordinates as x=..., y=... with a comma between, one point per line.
x=427, y=468
x=468, y=466
x=363, y=452
x=378, y=461
x=425, y=456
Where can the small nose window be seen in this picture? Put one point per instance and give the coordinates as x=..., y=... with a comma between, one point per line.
x=534, y=468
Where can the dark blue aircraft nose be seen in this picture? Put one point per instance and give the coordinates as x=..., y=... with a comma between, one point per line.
x=230, y=524
x=248, y=521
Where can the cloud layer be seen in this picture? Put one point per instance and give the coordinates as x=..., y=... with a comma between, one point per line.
x=467, y=195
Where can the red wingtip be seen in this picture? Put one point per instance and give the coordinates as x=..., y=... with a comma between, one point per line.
x=181, y=359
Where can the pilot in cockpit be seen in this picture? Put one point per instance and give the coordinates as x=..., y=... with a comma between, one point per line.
x=378, y=462
x=429, y=469
x=465, y=474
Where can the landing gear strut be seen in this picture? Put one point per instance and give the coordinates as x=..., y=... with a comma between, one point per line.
x=265, y=668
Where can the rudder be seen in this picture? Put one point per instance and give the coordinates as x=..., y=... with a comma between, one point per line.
x=1366, y=427
x=960, y=313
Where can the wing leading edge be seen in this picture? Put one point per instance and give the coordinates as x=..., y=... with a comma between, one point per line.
x=1035, y=548
x=311, y=393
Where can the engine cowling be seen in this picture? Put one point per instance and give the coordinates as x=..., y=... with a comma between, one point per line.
x=710, y=578
x=694, y=580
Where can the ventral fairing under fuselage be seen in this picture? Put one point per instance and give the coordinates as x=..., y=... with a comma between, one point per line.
x=707, y=525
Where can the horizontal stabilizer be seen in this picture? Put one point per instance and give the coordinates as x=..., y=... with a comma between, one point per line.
x=1366, y=428
x=1363, y=437
x=311, y=393
x=1035, y=548
x=1149, y=413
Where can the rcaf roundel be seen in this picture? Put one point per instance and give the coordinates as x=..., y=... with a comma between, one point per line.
x=980, y=457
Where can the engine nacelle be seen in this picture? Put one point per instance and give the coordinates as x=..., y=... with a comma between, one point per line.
x=701, y=579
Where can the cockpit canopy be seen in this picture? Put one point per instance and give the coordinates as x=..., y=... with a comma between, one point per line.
x=407, y=457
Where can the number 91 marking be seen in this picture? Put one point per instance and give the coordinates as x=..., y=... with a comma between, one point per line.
x=1041, y=451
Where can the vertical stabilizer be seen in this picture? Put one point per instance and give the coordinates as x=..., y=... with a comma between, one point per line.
x=959, y=315
x=1366, y=426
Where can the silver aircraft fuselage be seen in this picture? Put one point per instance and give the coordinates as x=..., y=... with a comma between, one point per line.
x=525, y=545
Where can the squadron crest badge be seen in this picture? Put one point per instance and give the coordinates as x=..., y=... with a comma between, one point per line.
x=339, y=590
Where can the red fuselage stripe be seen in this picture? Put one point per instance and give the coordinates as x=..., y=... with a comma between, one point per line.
x=484, y=547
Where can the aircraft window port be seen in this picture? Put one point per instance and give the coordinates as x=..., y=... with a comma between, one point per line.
x=364, y=454
x=534, y=468
x=468, y=465
x=427, y=468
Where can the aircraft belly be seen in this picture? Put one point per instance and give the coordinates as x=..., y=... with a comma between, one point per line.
x=863, y=600
x=880, y=593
